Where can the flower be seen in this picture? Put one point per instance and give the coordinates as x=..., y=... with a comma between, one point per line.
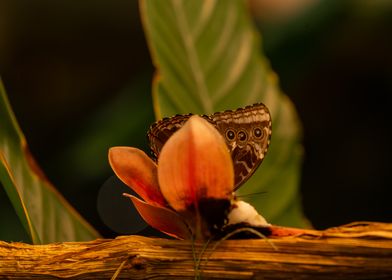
x=189, y=193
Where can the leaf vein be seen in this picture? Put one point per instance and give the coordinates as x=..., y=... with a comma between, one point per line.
x=202, y=90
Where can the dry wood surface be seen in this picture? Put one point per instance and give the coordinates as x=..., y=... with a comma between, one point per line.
x=360, y=250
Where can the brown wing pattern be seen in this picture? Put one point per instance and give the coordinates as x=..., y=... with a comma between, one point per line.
x=247, y=132
x=161, y=130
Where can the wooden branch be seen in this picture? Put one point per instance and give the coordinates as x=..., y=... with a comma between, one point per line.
x=355, y=251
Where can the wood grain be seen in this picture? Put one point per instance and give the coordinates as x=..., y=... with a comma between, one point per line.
x=360, y=250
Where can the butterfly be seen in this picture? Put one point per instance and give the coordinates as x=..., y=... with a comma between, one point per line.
x=247, y=132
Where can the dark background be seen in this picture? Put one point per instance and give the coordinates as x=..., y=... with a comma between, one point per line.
x=78, y=76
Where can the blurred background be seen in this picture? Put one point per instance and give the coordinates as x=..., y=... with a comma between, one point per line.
x=78, y=77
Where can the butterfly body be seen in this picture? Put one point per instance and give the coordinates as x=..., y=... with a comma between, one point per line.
x=247, y=132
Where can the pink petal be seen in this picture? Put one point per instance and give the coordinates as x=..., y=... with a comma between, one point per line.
x=138, y=171
x=195, y=164
x=163, y=219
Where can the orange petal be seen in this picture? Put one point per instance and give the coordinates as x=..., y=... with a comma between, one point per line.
x=163, y=219
x=195, y=164
x=138, y=171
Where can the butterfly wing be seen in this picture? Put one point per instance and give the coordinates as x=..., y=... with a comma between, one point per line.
x=247, y=132
x=161, y=131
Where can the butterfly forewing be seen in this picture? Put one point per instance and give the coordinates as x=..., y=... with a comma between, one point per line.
x=247, y=132
x=161, y=131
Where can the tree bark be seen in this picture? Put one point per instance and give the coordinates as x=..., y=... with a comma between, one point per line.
x=360, y=250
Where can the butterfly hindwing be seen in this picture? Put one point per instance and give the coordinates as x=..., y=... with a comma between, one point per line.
x=247, y=132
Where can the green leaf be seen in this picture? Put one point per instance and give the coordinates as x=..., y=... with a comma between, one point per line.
x=44, y=213
x=208, y=59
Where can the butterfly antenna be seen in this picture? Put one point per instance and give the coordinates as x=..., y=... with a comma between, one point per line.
x=230, y=234
x=250, y=194
x=197, y=274
x=198, y=259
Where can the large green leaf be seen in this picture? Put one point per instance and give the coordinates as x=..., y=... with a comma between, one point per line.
x=44, y=213
x=208, y=58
